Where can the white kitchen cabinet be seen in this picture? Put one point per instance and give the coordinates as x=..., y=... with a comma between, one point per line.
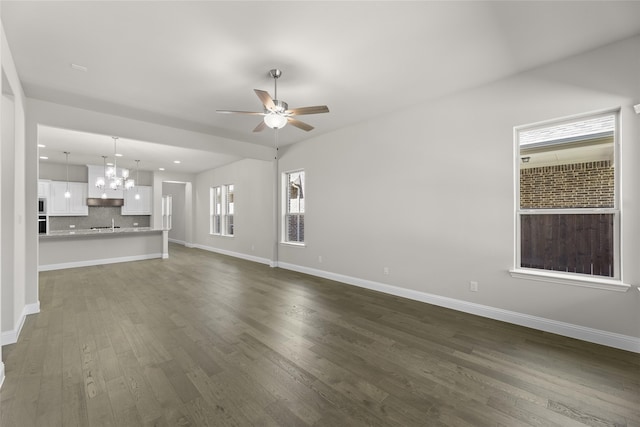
x=76, y=205
x=43, y=189
x=141, y=206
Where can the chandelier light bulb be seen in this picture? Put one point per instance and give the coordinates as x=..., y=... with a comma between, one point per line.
x=100, y=182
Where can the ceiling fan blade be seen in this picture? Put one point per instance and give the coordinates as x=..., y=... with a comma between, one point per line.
x=299, y=124
x=266, y=99
x=252, y=113
x=308, y=110
x=260, y=126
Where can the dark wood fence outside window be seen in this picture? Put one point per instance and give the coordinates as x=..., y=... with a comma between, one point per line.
x=576, y=243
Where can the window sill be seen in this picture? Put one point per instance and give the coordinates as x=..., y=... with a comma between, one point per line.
x=570, y=279
x=221, y=235
x=294, y=244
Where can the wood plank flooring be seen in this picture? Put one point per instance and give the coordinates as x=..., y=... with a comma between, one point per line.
x=203, y=339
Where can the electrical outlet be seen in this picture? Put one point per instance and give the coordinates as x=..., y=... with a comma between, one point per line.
x=135, y=224
x=72, y=226
x=320, y=259
x=386, y=271
x=473, y=286
x=253, y=248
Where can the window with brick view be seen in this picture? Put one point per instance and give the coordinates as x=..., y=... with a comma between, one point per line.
x=567, y=197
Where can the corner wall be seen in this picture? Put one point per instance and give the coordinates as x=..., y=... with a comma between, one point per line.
x=428, y=193
x=253, y=217
x=17, y=220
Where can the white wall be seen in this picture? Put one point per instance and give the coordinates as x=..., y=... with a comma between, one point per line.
x=80, y=173
x=429, y=193
x=159, y=179
x=15, y=205
x=177, y=192
x=253, y=203
x=7, y=156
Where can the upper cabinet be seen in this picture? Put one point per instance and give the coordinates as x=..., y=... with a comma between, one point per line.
x=76, y=205
x=138, y=206
x=43, y=189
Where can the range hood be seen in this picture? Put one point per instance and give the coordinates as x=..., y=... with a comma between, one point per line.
x=104, y=202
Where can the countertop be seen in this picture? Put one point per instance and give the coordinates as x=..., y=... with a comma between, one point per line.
x=99, y=232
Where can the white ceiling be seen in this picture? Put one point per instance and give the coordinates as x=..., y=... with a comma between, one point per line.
x=176, y=63
x=87, y=149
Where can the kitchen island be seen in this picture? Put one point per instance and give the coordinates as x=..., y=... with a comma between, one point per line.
x=81, y=248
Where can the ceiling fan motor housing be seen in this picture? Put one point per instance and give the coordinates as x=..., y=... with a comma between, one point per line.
x=280, y=107
x=275, y=73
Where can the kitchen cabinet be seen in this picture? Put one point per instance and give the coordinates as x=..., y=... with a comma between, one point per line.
x=141, y=206
x=76, y=205
x=43, y=189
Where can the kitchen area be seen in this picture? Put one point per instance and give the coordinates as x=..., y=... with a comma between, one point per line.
x=85, y=219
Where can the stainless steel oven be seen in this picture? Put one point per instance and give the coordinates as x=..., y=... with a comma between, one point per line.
x=42, y=206
x=42, y=224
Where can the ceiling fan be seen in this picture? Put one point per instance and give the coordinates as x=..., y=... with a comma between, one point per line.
x=277, y=113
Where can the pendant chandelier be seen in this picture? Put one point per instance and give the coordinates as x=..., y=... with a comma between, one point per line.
x=67, y=194
x=111, y=179
x=100, y=180
x=137, y=196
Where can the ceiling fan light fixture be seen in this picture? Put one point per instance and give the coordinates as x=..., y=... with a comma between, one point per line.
x=275, y=120
x=277, y=113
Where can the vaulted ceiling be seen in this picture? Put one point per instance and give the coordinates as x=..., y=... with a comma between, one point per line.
x=176, y=62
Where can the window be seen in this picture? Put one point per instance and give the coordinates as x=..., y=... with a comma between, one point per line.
x=215, y=210
x=228, y=210
x=294, y=207
x=568, y=216
x=221, y=208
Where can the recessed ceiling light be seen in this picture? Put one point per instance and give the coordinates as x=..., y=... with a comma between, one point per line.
x=44, y=158
x=118, y=155
x=176, y=162
x=41, y=145
x=79, y=67
x=109, y=164
x=160, y=169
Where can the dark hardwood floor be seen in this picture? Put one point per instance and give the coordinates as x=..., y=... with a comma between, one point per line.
x=203, y=339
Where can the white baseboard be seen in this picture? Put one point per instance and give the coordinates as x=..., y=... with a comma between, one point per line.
x=88, y=263
x=610, y=339
x=234, y=254
x=11, y=337
x=183, y=243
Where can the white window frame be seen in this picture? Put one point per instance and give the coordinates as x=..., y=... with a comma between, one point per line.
x=568, y=278
x=215, y=226
x=228, y=210
x=285, y=207
x=221, y=226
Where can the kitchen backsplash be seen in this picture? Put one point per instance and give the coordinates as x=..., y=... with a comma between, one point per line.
x=99, y=217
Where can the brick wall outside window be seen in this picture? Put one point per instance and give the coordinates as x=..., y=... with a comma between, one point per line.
x=579, y=185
